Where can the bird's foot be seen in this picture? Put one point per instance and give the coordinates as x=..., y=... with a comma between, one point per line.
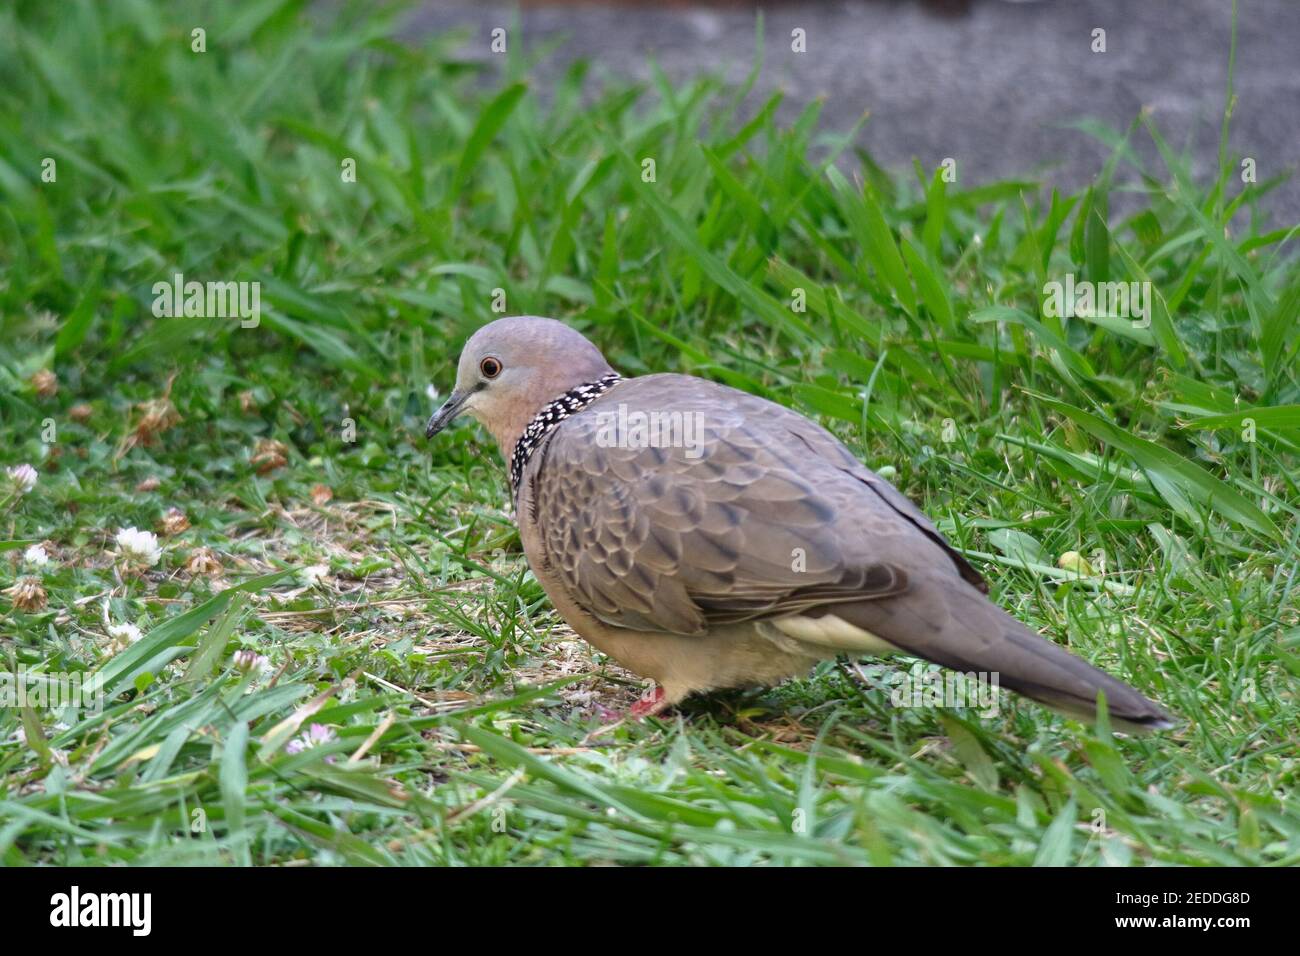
x=652, y=702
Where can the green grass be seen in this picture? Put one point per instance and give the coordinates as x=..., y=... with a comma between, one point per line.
x=427, y=641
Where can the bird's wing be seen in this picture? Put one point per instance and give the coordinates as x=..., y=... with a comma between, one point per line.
x=822, y=445
x=732, y=517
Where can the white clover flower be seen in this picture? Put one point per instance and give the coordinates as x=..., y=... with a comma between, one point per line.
x=36, y=556
x=315, y=574
x=250, y=662
x=23, y=477
x=139, y=547
x=315, y=736
x=124, y=634
x=121, y=636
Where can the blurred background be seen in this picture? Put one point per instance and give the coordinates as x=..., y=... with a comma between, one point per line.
x=995, y=84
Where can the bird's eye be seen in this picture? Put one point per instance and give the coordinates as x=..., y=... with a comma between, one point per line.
x=490, y=367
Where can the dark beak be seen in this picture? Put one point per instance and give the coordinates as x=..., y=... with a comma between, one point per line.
x=449, y=410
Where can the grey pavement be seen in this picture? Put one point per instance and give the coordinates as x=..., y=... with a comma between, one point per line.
x=989, y=83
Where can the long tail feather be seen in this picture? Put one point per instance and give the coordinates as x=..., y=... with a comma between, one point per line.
x=947, y=621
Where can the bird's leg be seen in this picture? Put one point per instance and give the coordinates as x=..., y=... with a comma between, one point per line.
x=652, y=702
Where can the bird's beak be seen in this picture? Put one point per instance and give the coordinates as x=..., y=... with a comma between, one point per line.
x=449, y=410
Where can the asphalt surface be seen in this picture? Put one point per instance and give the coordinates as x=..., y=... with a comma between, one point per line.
x=990, y=83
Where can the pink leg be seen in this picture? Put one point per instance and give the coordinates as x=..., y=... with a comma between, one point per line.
x=651, y=703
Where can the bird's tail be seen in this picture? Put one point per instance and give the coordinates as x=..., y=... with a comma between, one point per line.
x=948, y=622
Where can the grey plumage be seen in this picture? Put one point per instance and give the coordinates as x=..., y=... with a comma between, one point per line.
x=750, y=552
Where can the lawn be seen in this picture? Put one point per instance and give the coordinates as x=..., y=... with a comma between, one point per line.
x=339, y=655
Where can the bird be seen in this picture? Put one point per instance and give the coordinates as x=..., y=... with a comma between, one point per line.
x=707, y=538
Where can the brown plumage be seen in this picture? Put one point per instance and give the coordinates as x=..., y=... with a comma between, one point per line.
x=740, y=542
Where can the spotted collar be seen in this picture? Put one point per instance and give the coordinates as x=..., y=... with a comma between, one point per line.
x=552, y=413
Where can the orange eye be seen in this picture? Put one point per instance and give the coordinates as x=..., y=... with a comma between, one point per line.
x=490, y=367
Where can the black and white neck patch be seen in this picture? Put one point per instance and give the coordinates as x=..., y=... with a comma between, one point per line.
x=552, y=413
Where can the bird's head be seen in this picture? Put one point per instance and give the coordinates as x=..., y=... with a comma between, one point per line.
x=511, y=368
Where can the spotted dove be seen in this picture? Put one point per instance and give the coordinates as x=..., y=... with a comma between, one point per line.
x=707, y=538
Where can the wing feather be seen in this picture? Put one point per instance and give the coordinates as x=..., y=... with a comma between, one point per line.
x=764, y=514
